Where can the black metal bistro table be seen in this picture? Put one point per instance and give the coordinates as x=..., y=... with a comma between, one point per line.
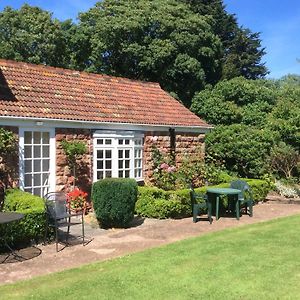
x=5, y=218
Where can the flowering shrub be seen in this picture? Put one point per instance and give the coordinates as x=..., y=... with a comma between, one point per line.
x=164, y=170
x=287, y=191
x=192, y=169
x=77, y=200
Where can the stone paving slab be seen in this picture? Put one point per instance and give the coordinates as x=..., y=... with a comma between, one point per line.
x=108, y=244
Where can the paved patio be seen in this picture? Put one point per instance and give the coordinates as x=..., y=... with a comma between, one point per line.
x=145, y=233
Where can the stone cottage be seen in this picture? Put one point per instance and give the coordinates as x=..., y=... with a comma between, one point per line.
x=118, y=119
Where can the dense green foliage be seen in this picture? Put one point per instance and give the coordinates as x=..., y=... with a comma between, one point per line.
x=156, y=40
x=156, y=203
x=30, y=34
x=32, y=226
x=114, y=200
x=230, y=264
x=236, y=101
x=243, y=149
x=253, y=116
x=182, y=44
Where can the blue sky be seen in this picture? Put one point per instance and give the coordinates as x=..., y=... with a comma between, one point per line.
x=278, y=21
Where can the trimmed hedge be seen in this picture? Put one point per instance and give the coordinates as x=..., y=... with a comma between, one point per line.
x=32, y=226
x=114, y=201
x=157, y=203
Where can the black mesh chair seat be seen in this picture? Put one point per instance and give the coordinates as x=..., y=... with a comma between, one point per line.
x=59, y=216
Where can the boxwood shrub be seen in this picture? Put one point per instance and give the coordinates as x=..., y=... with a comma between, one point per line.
x=156, y=203
x=32, y=226
x=114, y=201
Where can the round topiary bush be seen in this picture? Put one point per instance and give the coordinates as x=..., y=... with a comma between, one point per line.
x=114, y=201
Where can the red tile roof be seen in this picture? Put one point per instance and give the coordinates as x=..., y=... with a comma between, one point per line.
x=34, y=91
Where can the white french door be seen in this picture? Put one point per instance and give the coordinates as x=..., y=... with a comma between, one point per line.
x=37, y=160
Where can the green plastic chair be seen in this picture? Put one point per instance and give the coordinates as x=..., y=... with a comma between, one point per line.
x=245, y=197
x=197, y=207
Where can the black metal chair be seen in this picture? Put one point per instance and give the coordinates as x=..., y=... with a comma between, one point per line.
x=59, y=216
x=245, y=197
x=198, y=207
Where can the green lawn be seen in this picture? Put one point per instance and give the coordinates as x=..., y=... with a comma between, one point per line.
x=260, y=261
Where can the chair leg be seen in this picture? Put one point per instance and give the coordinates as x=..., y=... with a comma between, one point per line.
x=251, y=209
x=195, y=214
x=46, y=231
x=209, y=212
x=82, y=229
x=217, y=207
x=237, y=209
x=56, y=238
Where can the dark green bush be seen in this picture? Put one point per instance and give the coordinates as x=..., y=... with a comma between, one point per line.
x=114, y=201
x=32, y=226
x=156, y=203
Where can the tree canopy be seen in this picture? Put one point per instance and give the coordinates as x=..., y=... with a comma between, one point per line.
x=31, y=35
x=182, y=44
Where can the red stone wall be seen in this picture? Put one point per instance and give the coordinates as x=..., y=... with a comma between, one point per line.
x=186, y=144
x=64, y=176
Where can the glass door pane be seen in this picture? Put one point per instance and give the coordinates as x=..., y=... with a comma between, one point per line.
x=36, y=162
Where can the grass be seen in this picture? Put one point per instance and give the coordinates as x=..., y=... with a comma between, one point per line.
x=259, y=261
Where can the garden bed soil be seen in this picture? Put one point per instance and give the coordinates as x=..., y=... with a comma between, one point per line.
x=143, y=234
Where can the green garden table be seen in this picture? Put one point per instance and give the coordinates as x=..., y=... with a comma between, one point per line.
x=215, y=193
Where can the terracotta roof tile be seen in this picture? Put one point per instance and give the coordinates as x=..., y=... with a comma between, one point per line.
x=35, y=91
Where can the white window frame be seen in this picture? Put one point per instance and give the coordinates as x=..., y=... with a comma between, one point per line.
x=115, y=136
x=52, y=155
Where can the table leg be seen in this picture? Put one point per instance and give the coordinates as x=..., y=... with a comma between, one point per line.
x=217, y=207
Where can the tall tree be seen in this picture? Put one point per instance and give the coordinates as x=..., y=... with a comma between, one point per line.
x=157, y=40
x=31, y=34
x=242, y=48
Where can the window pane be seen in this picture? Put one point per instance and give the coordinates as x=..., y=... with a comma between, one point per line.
x=100, y=164
x=120, y=142
x=127, y=173
x=120, y=153
x=108, y=142
x=28, y=190
x=127, y=163
x=46, y=138
x=99, y=175
x=28, y=180
x=37, y=166
x=127, y=142
x=36, y=179
x=127, y=153
x=46, y=151
x=120, y=164
x=27, y=151
x=120, y=174
x=100, y=141
x=37, y=191
x=99, y=153
x=27, y=137
x=28, y=166
x=37, y=137
x=108, y=174
x=108, y=164
x=108, y=153
x=45, y=179
x=37, y=151
x=46, y=165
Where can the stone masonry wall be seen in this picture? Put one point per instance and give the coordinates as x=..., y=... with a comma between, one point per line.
x=189, y=144
x=64, y=176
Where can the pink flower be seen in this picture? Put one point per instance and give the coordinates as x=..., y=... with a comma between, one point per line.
x=171, y=169
x=164, y=166
x=154, y=139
